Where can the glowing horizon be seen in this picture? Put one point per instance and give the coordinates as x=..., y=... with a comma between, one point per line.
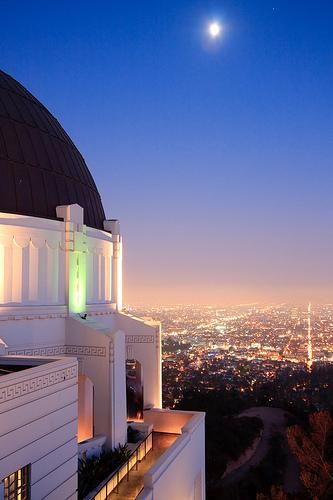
x=224, y=296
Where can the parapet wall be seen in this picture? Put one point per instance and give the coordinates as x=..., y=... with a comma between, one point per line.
x=38, y=424
x=33, y=261
x=180, y=472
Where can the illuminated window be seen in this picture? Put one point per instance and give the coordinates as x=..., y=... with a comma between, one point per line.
x=17, y=485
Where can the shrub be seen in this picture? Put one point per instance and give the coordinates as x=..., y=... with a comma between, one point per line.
x=94, y=470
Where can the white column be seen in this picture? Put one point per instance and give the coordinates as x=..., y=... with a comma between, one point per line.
x=42, y=274
x=108, y=278
x=8, y=272
x=33, y=272
x=52, y=257
x=117, y=394
x=103, y=270
x=2, y=275
x=99, y=274
x=17, y=268
x=90, y=277
x=62, y=283
x=113, y=227
x=86, y=408
x=25, y=274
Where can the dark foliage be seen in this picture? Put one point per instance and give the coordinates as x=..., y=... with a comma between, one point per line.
x=258, y=481
x=227, y=437
x=298, y=392
x=270, y=471
x=94, y=470
x=311, y=444
x=225, y=440
x=133, y=435
x=223, y=402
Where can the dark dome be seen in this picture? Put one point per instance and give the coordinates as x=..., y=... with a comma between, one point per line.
x=40, y=167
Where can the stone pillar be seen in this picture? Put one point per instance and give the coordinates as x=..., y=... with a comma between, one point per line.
x=75, y=246
x=113, y=227
x=158, y=346
x=3, y=352
x=86, y=409
x=2, y=276
x=117, y=390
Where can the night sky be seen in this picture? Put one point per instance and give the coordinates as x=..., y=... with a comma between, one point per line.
x=215, y=156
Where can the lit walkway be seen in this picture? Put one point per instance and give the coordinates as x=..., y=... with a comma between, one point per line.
x=128, y=490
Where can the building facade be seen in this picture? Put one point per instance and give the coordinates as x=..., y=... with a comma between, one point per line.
x=64, y=335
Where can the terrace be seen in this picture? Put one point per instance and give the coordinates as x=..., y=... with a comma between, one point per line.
x=12, y=364
x=130, y=489
x=168, y=455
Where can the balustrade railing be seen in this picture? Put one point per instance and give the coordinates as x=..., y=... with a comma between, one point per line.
x=111, y=483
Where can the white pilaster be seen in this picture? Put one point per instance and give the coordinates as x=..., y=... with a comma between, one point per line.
x=113, y=227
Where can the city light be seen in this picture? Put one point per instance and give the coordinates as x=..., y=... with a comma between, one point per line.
x=243, y=347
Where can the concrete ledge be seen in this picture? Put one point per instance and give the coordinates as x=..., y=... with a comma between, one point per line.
x=184, y=462
x=163, y=463
x=173, y=421
x=92, y=447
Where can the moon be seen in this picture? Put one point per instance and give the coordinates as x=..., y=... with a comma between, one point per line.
x=214, y=29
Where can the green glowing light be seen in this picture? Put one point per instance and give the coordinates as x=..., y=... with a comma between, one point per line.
x=77, y=282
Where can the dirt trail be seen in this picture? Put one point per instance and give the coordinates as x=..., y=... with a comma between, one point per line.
x=274, y=421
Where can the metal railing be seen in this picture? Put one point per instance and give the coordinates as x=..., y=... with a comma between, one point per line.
x=111, y=483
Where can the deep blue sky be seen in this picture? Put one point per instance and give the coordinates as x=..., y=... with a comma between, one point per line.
x=217, y=158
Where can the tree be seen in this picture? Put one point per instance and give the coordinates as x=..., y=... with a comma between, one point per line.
x=310, y=448
x=277, y=493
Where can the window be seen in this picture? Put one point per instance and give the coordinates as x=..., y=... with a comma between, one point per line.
x=17, y=485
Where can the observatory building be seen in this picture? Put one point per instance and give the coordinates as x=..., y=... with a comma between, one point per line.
x=75, y=368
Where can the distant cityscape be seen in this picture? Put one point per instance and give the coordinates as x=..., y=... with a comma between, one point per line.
x=277, y=352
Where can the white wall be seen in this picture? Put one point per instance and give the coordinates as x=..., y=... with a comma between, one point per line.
x=38, y=426
x=143, y=342
x=33, y=268
x=27, y=336
x=32, y=261
x=85, y=408
x=180, y=472
x=168, y=421
x=101, y=354
x=118, y=388
x=99, y=266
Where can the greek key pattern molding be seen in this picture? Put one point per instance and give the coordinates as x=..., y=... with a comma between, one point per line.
x=34, y=384
x=58, y=350
x=62, y=350
x=139, y=339
x=82, y=350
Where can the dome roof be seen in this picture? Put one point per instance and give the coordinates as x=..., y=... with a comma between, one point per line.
x=40, y=167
